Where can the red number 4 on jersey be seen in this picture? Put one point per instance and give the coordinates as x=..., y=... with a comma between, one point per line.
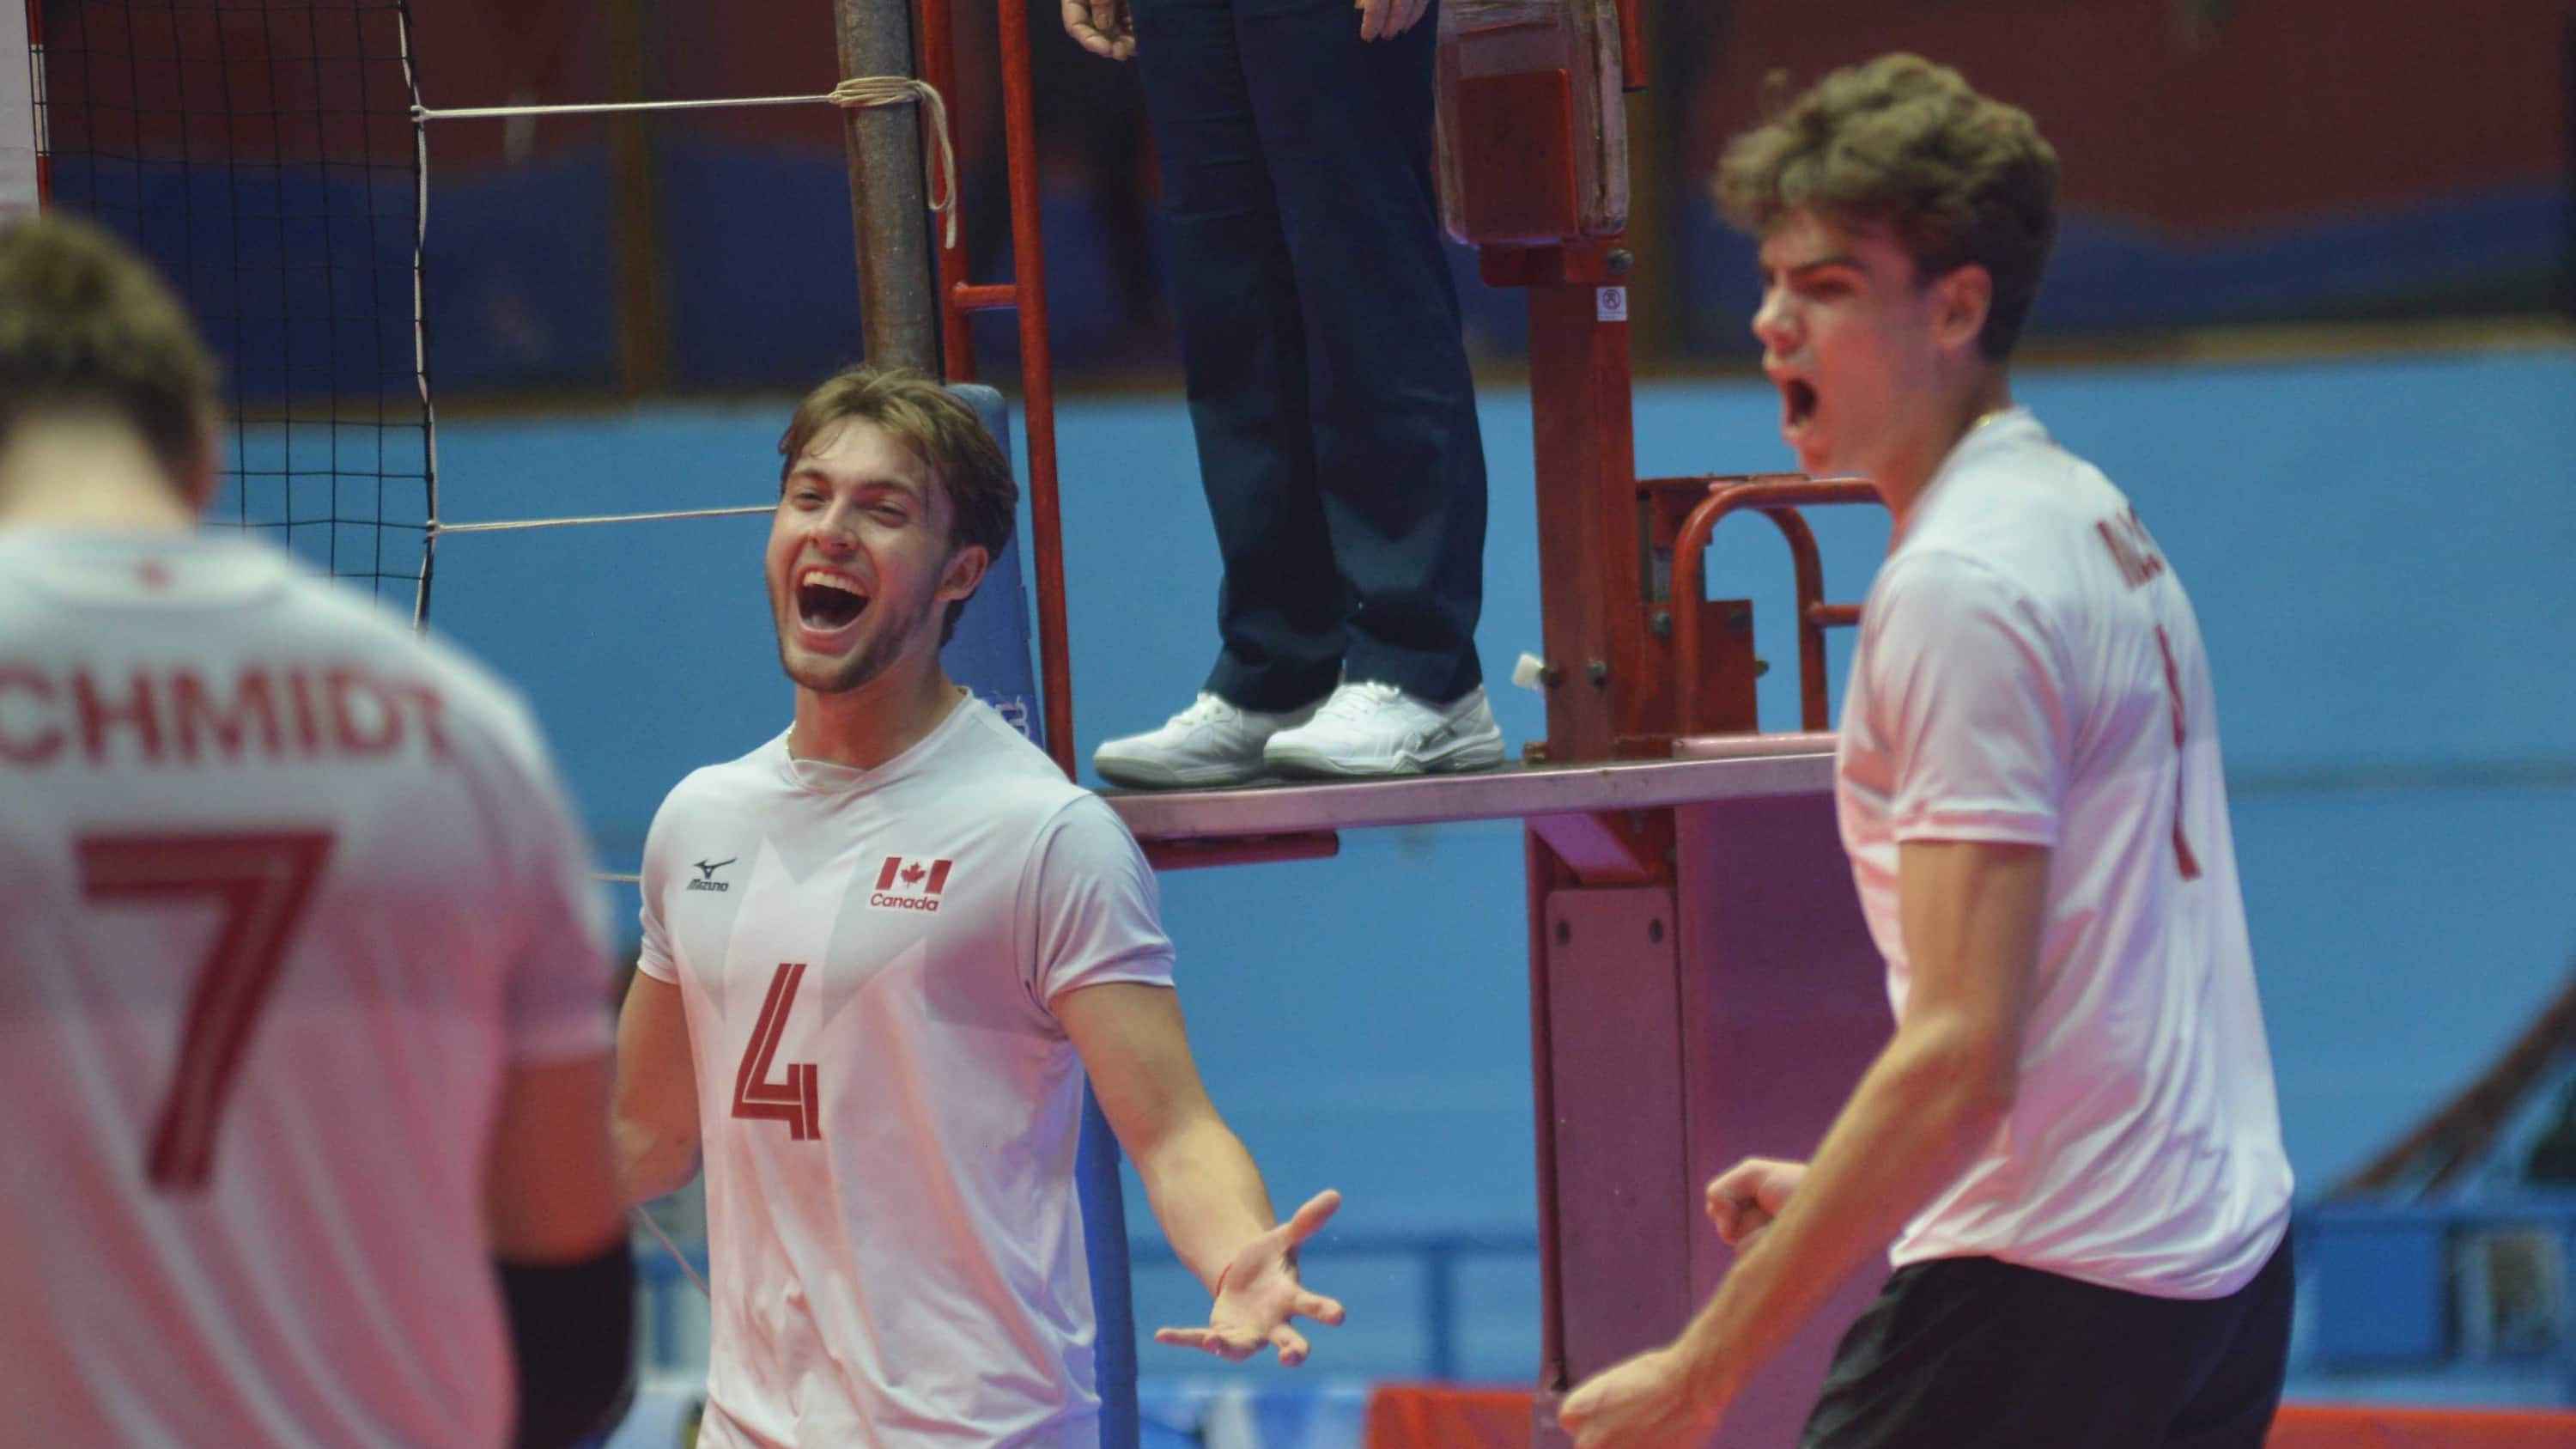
x=796, y=1100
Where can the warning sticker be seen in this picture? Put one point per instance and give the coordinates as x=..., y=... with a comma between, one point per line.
x=1614, y=303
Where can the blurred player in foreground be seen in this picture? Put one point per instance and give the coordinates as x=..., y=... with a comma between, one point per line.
x=303, y=1017
x=2073, y=1136
x=880, y=953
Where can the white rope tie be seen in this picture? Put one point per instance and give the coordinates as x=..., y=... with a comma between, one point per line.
x=896, y=90
x=856, y=93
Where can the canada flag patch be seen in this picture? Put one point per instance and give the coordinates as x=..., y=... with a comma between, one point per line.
x=908, y=884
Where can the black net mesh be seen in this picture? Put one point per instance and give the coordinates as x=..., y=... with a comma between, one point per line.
x=265, y=155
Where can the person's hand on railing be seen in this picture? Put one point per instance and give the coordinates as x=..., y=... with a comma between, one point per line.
x=1258, y=1294
x=1103, y=27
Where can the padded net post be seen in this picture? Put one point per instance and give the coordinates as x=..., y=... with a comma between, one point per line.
x=990, y=655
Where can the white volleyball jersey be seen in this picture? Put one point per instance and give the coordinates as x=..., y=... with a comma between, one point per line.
x=868, y=960
x=2030, y=671
x=288, y=890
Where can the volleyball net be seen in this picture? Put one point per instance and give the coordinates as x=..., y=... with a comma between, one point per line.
x=265, y=156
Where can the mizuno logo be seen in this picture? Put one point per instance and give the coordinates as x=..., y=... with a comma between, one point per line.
x=706, y=870
x=910, y=885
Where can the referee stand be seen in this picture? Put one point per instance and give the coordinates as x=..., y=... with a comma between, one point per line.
x=1702, y=985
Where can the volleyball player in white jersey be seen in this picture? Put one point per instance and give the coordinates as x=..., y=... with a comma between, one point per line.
x=2072, y=1136
x=303, y=1014
x=880, y=952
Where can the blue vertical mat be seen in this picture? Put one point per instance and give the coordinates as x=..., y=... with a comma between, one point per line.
x=990, y=655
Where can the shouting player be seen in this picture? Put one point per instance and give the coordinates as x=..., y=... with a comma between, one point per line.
x=880, y=953
x=2073, y=1136
x=303, y=1013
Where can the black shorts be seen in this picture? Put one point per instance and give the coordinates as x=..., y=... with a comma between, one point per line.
x=1976, y=1352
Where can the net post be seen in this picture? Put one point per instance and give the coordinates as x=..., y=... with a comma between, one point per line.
x=643, y=308
x=889, y=196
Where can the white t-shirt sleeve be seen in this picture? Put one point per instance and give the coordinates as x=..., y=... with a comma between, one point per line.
x=560, y=974
x=1097, y=909
x=655, y=959
x=1967, y=687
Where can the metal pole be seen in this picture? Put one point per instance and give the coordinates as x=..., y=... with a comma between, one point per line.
x=939, y=67
x=889, y=196
x=643, y=307
x=1037, y=382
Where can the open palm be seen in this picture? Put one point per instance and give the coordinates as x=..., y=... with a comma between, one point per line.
x=1258, y=1295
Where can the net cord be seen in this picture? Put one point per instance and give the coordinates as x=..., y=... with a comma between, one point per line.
x=855, y=93
x=674, y=1250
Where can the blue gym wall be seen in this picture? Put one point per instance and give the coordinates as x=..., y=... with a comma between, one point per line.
x=2379, y=548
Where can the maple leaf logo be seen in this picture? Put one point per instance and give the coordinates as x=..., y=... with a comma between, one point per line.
x=912, y=875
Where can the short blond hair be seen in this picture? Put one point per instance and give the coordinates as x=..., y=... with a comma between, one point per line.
x=86, y=324
x=1899, y=142
x=941, y=430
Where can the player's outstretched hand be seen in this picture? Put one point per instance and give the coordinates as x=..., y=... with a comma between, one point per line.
x=1744, y=1199
x=1259, y=1293
x=1643, y=1403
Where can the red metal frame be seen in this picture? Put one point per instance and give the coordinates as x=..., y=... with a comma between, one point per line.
x=1242, y=850
x=1584, y=452
x=960, y=299
x=1542, y=873
x=1779, y=500
x=1632, y=46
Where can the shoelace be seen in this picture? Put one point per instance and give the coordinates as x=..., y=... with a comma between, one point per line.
x=1359, y=699
x=1206, y=709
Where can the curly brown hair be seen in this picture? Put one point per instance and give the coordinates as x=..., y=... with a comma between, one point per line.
x=87, y=325
x=1955, y=177
x=941, y=430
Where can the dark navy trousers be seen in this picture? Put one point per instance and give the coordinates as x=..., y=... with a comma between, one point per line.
x=1328, y=384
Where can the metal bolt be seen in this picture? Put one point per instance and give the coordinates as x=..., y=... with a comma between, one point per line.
x=1596, y=671
x=1564, y=933
x=1655, y=931
x=1661, y=625
x=1618, y=261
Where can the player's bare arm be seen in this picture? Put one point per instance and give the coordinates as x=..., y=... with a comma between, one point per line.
x=655, y=1121
x=551, y=1193
x=1971, y=918
x=1206, y=1191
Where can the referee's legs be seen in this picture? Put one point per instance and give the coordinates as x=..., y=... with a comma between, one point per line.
x=1399, y=464
x=1972, y=1352
x=1283, y=608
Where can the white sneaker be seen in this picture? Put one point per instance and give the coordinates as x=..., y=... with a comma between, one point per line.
x=1210, y=743
x=1368, y=728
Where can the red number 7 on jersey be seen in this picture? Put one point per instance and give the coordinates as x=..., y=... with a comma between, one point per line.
x=263, y=882
x=797, y=1101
